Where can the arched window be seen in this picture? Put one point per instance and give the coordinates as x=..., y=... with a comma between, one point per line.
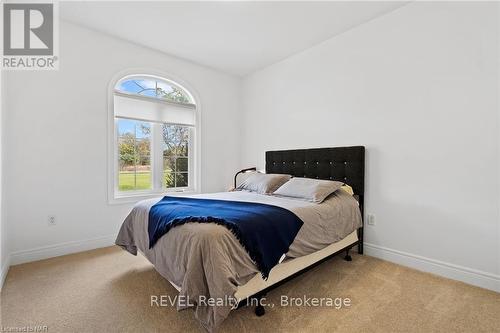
x=155, y=126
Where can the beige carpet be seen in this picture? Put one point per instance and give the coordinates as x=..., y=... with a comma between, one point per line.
x=108, y=290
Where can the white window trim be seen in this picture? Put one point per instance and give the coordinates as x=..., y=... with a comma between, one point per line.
x=116, y=197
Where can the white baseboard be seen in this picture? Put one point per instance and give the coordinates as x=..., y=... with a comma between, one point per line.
x=60, y=249
x=468, y=275
x=4, y=270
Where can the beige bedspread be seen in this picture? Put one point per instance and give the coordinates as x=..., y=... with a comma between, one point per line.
x=206, y=260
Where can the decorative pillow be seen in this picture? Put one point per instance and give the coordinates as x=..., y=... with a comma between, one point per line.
x=313, y=190
x=348, y=189
x=263, y=183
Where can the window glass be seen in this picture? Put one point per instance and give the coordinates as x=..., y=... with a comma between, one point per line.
x=154, y=88
x=175, y=155
x=134, y=155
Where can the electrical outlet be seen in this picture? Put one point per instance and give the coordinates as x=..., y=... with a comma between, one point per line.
x=51, y=220
x=370, y=219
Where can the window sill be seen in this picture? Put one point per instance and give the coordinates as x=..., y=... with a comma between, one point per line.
x=119, y=199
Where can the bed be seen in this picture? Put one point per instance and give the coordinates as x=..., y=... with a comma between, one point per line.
x=206, y=260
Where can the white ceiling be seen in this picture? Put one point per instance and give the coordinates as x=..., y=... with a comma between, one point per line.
x=234, y=37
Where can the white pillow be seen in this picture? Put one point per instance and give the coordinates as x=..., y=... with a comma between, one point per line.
x=314, y=190
x=263, y=183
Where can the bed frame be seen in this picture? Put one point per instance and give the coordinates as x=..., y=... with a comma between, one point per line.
x=345, y=164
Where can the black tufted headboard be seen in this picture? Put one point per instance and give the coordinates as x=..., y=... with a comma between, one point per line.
x=345, y=164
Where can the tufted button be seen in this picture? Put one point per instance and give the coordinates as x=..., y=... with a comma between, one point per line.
x=317, y=177
x=304, y=176
x=317, y=162
x=305, y=162
x=274, y=163
x=331, y=163
x=283, y=162
x=345, y=178
x=345, y=162
x=293, y=162
x=331, y=177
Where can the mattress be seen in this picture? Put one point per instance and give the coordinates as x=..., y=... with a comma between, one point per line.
x=324, y=223
x=288, y=267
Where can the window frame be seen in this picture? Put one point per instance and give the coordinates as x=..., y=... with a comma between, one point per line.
x=116, y=196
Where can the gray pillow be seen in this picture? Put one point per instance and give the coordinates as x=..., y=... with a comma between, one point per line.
x=313, y=190
x=263, y=183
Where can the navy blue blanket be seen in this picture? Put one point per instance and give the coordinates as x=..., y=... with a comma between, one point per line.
x=264, y=231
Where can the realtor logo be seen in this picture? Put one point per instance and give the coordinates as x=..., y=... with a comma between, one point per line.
x=28, y=29
x=29, y=38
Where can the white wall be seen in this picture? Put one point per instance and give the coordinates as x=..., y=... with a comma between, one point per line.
x=417, y=87
x=4, y=257
x=56, y=134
